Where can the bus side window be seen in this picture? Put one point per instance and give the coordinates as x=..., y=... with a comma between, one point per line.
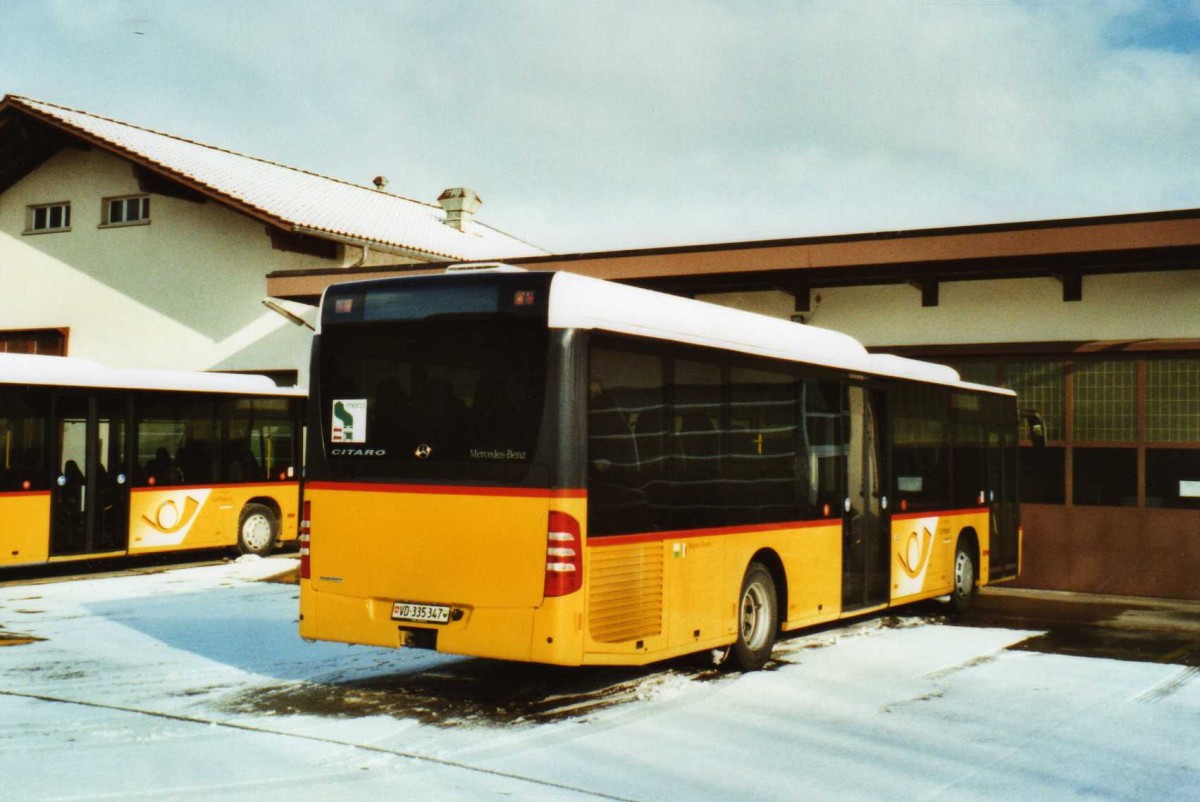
x=920, y=446
x=623, y=387
x=611, y=444
x=23, y=414
x=823, y=447
x=161, y=468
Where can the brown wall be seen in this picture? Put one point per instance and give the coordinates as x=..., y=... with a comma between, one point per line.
x=1136, y=552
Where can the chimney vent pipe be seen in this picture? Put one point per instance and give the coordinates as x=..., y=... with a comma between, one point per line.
x=460, y=205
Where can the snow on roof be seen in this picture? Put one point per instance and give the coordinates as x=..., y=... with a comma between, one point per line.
x=75, y=372
x=583, y=302
x=292, y=198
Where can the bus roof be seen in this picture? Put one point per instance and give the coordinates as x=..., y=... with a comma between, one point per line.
x=583, y=302
x=75, y=372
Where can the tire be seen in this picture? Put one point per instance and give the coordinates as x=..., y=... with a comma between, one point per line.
x=257, y=529
x=965, y=573
x=758, y=619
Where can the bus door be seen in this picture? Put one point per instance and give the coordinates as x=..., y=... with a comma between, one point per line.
x=865, y=524
x=1002, y=500
x=91, y=488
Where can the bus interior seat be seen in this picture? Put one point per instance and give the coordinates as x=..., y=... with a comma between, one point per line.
x=611, y=443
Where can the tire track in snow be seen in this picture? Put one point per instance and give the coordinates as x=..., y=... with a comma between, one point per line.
x=233, y=725
x=1168, y=686
x=974, y=662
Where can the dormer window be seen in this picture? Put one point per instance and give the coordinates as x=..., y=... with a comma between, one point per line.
x=127, y=211
x=48, y=217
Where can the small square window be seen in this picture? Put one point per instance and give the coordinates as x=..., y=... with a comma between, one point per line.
x=126, y=211
x=48, y=217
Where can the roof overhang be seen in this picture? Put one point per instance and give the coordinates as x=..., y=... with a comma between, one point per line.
x=26, y=118
x=25, y=143
x=30, y=134
x=1063, y=249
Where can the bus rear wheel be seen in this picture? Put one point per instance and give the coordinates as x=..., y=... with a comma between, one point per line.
x=965, y=572
x=758, y=619
x=257, y=530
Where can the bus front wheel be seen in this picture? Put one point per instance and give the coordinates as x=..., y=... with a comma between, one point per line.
x=965, y=572
x=758, y=619
x=257, y=530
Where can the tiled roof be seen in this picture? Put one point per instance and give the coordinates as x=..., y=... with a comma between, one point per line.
x=286, y=196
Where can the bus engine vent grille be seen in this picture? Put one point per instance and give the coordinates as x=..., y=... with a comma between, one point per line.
x=626, y=592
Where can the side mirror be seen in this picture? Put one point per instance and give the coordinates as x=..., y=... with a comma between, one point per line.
x=1036, y=428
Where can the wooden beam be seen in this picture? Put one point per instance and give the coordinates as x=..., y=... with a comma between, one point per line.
x=1072, y=286
x=929, y=291
x=293, y=242
x=801, y=291
x=152, y=182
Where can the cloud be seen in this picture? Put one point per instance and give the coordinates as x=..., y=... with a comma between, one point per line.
x=607, y=125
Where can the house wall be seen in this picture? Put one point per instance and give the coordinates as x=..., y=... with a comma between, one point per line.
x=184, y=291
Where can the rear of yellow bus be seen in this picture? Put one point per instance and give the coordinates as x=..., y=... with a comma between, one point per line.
x=435, y=511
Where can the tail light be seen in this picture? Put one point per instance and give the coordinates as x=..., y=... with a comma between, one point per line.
x=564, y=555
x=305, y=530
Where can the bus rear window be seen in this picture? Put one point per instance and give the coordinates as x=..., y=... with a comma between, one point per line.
x=400, y=398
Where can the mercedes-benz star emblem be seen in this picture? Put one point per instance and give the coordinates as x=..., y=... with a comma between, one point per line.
x=423, y=451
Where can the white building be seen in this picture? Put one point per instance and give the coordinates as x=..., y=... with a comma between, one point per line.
x=138, y=248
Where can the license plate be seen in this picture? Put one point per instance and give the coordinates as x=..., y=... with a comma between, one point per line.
x=427, y=613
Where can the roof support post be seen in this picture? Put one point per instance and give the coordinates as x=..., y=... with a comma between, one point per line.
x=1072, y=286
x=929, y=291
x=801, y=291
x=803, y=295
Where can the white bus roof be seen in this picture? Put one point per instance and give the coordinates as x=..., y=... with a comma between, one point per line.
x=75, y=372
x=588, y=303
x=583, y=302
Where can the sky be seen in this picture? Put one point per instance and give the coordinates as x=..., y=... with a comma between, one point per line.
x=613, y=125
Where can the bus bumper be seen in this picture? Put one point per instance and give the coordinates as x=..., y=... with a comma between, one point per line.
x=500, y=633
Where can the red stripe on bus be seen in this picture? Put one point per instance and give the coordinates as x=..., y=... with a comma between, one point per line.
x=161, y=488
x=908, y=516
x=17, y=493
x=449, y=490
x=680, y=534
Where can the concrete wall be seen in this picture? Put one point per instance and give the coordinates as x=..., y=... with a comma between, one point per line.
x=1114, y=307
x=184, y=291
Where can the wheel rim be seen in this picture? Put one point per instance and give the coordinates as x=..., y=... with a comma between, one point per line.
x=755, y=614
x=256, y=532
x=964, y=575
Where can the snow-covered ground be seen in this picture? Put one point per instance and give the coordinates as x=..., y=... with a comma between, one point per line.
x=192, y=684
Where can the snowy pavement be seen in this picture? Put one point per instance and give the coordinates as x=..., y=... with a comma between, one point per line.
x=192, y=684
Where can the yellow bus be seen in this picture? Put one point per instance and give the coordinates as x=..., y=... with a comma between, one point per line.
x=97, y=462
x=541, y=466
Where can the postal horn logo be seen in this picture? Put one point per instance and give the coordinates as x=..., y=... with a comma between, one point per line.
x=169, y=519
x=915, y=552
